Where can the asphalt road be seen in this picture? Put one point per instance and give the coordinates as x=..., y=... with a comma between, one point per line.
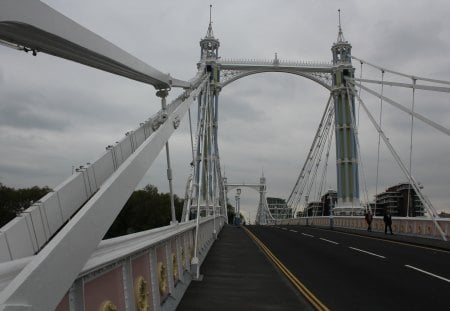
x=351, y=272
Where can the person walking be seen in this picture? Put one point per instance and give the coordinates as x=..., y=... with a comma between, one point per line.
x=387, y=222
x=369, y=218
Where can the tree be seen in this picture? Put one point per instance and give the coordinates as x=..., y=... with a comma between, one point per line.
x=144, y=210
x=14, y=201
x=230, y=213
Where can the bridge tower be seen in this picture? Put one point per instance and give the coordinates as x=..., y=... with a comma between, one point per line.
x=346, y=146
x=207, y=177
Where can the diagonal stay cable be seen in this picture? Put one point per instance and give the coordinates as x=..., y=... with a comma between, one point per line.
x=402, y=166
x=401, y=74
x=422, y=118
x=294, y=191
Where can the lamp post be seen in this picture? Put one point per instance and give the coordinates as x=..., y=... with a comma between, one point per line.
x=238, y=208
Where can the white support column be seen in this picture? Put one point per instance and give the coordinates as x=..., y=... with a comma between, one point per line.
x=163, y=94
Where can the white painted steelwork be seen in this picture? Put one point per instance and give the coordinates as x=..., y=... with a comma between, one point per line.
x=34, y=26
x=69, y=250
x=29, y=232
x=120, y=252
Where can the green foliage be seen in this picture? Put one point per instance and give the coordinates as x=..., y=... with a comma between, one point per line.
x=145, y=209
x=14, y=201
x=230, y=213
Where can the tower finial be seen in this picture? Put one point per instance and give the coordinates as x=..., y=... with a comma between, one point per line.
x=209, y=33
x=210, y=8
x=340, y=37
x=339, y=12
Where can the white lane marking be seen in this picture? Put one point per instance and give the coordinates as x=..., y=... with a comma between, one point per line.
x=329, y=241
x=284, y=228
x=363, y=251
x=429, y=273
x=293, y=231
x=311, y=236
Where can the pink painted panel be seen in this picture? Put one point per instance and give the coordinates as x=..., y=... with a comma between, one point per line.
x=108, y=286
x=176, y=276
x=162, y=275
x=64, y=304
x=141, y=268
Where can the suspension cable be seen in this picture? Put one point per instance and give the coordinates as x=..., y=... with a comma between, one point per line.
x=403, y=168
x=407, y=110
x=200, y=170
x=361, y=164
x=311, y=160
x=294, y=191
x=325, y=169
x=359, y=105
x=402, y=74
x=318, y=155
x=379, y=138
x=192, y=138
x=411, y=148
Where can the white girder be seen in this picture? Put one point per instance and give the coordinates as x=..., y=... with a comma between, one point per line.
x=232, y=70
x=33, y=228
x=244, y=185
x=69, y=250
x=34, y=26
x=285, y=64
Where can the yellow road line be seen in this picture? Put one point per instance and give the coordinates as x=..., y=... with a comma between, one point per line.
x=315, y=302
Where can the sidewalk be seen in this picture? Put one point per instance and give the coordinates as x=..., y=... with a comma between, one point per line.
x=238, y=276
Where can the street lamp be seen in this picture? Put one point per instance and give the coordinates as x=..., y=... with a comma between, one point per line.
x=238, y=208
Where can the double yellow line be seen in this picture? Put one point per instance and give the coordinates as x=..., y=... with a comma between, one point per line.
x=313, y=300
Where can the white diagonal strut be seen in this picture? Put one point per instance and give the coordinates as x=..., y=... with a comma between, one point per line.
x=34, y=26
x=69, y=250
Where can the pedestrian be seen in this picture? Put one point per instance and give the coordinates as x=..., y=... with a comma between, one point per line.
x=369, y=218
x=387, y=222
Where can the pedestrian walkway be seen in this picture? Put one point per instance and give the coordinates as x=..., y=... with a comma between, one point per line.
x=238, y=276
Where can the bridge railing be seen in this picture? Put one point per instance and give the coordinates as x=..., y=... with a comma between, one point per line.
x=279, y=62
x=29, y=232
x=417, y=226
x=150, y=268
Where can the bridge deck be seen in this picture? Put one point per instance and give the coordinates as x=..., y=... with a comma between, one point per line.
x=238, y=276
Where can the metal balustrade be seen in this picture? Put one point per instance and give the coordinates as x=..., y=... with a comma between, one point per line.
x=146, y=268
x=33, y=228
x=416, y=226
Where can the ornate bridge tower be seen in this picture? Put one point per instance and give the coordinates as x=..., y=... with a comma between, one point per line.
x=207, y=174
x=346, y=146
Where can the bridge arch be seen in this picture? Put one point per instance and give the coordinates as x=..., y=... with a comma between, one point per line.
x=322, y=80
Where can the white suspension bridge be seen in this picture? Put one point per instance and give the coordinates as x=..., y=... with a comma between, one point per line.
x=59, y=238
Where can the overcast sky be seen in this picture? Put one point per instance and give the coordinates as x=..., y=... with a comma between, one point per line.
x=55, y=114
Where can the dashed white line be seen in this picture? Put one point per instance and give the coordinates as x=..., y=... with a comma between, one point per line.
x=363, y=251
x=293, y=231
x=429, y=273
x=329, y=241
x=306, y=234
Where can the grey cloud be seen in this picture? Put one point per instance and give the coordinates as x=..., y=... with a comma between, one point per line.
x=266, y=121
